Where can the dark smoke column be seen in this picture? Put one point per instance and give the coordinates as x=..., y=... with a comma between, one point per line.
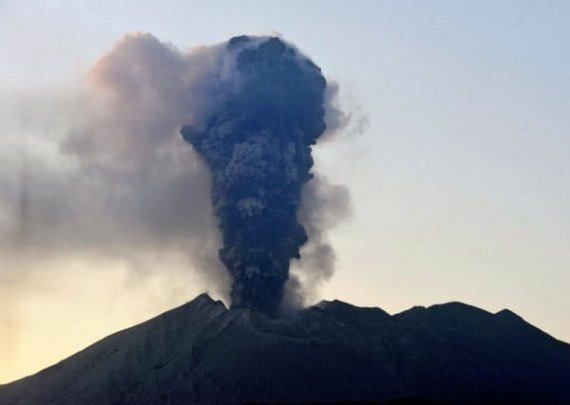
x=257, y=144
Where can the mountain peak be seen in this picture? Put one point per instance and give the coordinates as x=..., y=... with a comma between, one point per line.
x=204, y=299
x=201, y=307
x=508, y=314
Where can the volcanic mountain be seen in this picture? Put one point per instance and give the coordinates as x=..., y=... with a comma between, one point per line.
x=204, y=353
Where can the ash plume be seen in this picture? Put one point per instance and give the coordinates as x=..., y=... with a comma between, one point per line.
x=108, y=176
x=257, y=144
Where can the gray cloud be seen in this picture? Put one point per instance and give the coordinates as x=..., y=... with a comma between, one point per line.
x=116, y=179
x=324, y=206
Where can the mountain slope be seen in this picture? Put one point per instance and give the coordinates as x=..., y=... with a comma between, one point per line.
x=203, y=353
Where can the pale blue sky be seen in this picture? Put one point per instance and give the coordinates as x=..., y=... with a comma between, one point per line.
x=459, y=182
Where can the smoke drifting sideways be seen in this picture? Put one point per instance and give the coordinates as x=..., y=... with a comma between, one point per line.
x=122, y=183
x=97, y=175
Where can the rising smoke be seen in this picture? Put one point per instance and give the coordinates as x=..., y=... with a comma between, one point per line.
x=258, y=146
x=123, y=183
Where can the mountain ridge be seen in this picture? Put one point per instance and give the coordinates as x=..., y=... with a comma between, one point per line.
x=202, y=352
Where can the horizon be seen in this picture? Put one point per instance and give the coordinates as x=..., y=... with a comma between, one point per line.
x=456, y=160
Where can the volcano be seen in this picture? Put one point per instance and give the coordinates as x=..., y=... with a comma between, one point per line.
x=204, y=353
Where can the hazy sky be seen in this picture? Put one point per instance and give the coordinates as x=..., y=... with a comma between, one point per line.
x=459, y=181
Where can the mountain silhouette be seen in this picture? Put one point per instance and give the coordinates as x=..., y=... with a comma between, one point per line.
x=203, y=353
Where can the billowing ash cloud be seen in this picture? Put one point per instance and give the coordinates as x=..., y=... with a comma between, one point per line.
x=257, y=144
x=108, y=174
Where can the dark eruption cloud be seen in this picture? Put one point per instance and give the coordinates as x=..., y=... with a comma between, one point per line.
x=257, y=144
x=109, y=176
